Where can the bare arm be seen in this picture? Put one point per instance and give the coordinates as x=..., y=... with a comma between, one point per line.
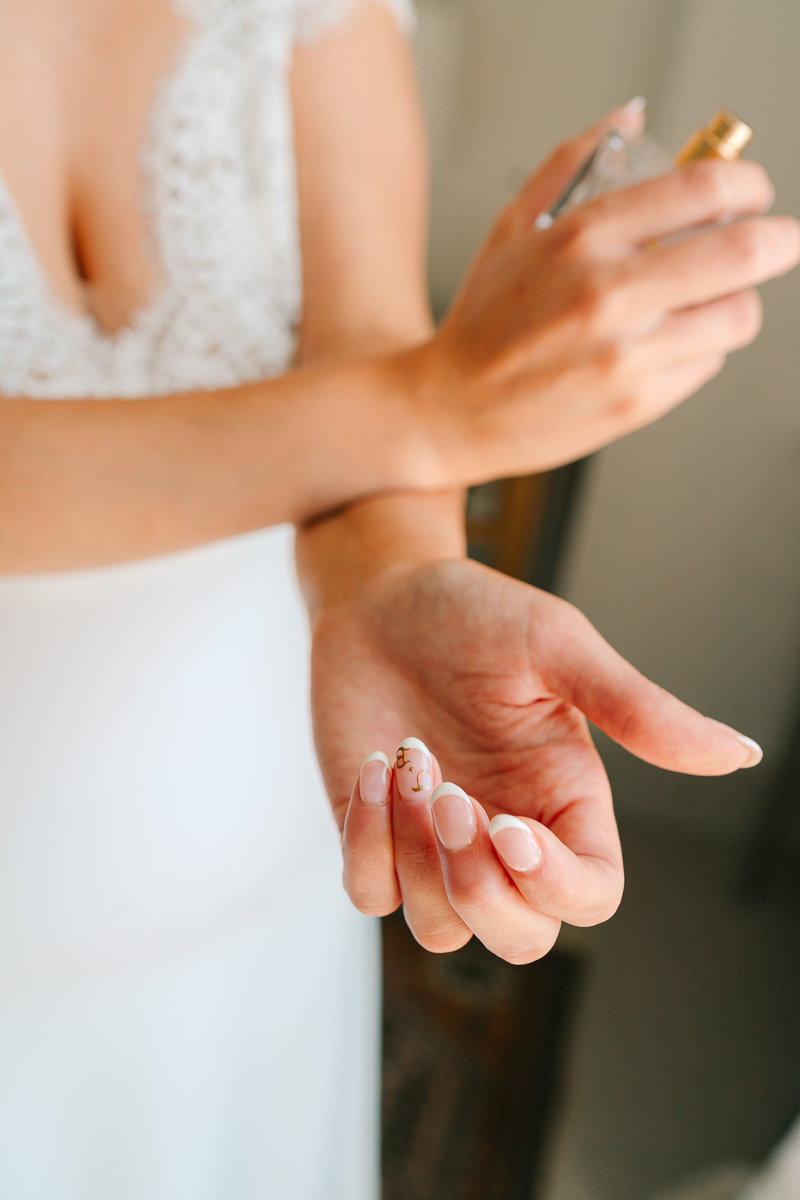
x=85, y=482
x=498, y=390
x=364, y=273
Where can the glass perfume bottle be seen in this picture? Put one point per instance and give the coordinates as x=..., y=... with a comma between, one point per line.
x=618, y=161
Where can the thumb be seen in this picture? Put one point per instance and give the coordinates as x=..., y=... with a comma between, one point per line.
x=548, y=182
x=635, y=712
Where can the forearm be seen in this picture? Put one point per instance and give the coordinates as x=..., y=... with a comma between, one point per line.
x=87, y=482
x=337, y=554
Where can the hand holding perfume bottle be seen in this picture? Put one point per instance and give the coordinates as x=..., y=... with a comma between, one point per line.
x=566, y=337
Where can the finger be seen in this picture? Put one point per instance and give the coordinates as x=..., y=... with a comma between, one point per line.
x=666, y=390
x=581, y=889
x=703, y=193
x=714, y=263
x=637, y=713
x=428, y=912
x=700, y=332
x=367, y=851
x=567, y=862
x=551, y=178
x=479, y=888
x=654, y=374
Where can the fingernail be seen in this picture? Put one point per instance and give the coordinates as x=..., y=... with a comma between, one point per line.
x=414, y=767
x=634, y=107
x=453, y=817
x=515, y=843
x=754, y=751
x=373, y=779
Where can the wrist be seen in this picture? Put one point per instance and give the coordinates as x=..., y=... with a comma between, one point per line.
x=329, y=435
x=419, y=450
x=340, y=555
x=436, y=417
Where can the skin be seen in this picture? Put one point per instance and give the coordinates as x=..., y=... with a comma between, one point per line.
x=384, y=404
x=499, y=390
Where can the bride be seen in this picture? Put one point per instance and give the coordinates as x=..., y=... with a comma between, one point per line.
x=214, y=332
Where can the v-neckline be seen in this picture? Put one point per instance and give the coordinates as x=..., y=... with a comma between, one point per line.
x=138, y=314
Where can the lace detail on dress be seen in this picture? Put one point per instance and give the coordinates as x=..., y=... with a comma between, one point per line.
x=222, y=189
x=218, y=187
x=315, y=17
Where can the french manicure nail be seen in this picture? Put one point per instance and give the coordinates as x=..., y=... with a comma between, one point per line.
x=414, y=767
x=515, y=843
x=754, y=751
x=373, y=779
x=633, y=107
x=453, y=817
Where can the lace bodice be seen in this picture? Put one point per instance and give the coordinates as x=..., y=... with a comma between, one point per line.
x=219, y=191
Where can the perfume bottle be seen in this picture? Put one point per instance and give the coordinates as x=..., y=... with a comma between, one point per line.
x=618, y=161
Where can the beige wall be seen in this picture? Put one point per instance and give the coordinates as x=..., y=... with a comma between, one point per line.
x=686, y=554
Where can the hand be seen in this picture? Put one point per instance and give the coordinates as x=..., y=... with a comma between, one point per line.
x=561, y=340
x=499, y=678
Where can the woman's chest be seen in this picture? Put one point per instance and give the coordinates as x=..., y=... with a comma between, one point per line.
x=77, y=85
x=146, y=173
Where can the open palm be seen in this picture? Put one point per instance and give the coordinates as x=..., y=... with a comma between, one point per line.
x=498, y=678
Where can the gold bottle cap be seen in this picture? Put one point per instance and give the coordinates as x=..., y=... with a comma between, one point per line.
x=725, y=136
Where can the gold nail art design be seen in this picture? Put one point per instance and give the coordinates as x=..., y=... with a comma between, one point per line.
x=403, y=761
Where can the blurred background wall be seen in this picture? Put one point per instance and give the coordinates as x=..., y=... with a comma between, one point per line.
x=685, y=551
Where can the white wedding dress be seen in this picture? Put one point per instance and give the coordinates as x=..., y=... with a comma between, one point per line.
x=188, y=1004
